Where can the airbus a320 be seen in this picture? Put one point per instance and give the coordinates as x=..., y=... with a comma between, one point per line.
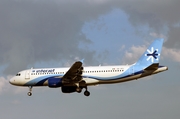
x=76, y=78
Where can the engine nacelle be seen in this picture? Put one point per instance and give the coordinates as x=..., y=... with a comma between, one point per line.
x=68, y=89
x=54, y=82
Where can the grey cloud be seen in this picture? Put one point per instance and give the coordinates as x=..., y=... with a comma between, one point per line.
x=152, y=12
x=161, y=16
x=34, y=31
x=173, y=36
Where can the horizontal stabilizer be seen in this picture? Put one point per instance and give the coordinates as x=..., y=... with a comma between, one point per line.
x=152, y=67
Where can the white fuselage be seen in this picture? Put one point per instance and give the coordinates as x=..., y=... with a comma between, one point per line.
x=91, y=75
x=77, y=77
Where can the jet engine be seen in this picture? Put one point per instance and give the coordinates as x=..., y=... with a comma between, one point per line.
x=68, y=89
x=54, y=82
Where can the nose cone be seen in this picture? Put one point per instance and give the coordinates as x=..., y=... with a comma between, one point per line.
x=12, y=81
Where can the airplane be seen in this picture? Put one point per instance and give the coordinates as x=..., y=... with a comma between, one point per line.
x=77, y=77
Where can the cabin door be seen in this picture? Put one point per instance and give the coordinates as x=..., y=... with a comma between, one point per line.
x=27, y=74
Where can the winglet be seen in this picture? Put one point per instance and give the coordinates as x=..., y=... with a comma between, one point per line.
x=82, y=60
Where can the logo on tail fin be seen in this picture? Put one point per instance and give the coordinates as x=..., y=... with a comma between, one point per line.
x=152, y=54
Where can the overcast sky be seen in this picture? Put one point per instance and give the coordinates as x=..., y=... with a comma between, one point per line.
x=56, y=33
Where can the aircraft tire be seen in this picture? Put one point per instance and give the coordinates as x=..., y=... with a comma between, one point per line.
x=86, y=93
x=29, y=93
x=78, y=90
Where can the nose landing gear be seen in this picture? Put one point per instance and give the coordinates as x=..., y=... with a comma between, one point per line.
x=30, y=91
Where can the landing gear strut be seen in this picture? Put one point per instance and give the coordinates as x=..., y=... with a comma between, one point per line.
x=86, y=92
x=82, y=85
x=78, y=89
x=30, y=91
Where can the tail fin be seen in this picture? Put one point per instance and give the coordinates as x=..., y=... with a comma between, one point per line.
x=152, y=54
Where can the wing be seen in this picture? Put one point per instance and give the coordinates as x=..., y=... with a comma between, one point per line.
x=74, y=74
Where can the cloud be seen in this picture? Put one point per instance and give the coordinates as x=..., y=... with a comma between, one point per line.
x=3, y=85
x=156, y=35
x=160, y=16
x=173, y=38
x=172, y=53
x=154, y=13
x=133, y=54
x=6, y=87
x=122, y=48
x=35, y=31
x=41, y=31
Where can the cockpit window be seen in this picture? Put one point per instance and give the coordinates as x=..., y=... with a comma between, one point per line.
x=18, y=74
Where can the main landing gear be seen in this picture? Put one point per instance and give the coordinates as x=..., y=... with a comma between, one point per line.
x=30, y=91
x=80, y=87
x=86, y=92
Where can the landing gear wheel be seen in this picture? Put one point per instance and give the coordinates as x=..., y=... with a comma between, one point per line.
x=29, y=93
x=86, y=93
x=78, y=90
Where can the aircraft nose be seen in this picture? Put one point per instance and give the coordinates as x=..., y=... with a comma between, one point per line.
x=11, y=81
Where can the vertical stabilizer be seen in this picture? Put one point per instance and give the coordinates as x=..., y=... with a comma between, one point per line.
x=152, y=54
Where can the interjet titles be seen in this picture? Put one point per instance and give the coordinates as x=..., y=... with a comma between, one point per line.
x=44, y=71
